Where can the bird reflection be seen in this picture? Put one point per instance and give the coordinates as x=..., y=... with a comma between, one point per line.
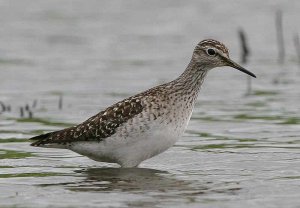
x=142, y=180
x=127, y=179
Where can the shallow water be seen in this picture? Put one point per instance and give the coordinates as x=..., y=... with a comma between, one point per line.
x=238, y=148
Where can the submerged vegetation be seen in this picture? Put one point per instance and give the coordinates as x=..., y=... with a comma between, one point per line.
x=11, y=154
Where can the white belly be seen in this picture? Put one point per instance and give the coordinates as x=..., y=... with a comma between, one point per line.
x=137, y=140
x=132, y=150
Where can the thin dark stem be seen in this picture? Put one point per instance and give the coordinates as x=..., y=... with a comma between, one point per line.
x=297, y=45
x=280, y=37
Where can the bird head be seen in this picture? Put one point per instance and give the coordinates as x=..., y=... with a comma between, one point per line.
x=211, y=53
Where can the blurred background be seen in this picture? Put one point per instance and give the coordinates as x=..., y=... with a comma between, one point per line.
x=62, y=61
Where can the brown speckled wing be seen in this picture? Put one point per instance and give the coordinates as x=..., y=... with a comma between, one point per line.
x=96, y=128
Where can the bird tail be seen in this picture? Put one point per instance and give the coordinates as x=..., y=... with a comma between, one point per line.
x=41, y=140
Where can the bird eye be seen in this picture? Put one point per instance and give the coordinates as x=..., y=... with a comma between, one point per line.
x=211, y=52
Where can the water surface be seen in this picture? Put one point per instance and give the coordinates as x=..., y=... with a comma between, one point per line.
x=238, y=148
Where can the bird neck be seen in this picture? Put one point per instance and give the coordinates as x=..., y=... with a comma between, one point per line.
x=191, y=79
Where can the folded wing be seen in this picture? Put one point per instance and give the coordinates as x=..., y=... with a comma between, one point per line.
x=97, y=128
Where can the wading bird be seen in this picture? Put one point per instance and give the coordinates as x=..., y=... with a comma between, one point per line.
x=145, y=124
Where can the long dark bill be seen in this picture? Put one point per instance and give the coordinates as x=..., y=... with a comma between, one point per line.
x=238, y=67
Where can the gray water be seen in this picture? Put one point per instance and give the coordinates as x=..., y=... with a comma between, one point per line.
x=238, y=150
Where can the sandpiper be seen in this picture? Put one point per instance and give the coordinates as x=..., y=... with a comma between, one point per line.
x=145, y=124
